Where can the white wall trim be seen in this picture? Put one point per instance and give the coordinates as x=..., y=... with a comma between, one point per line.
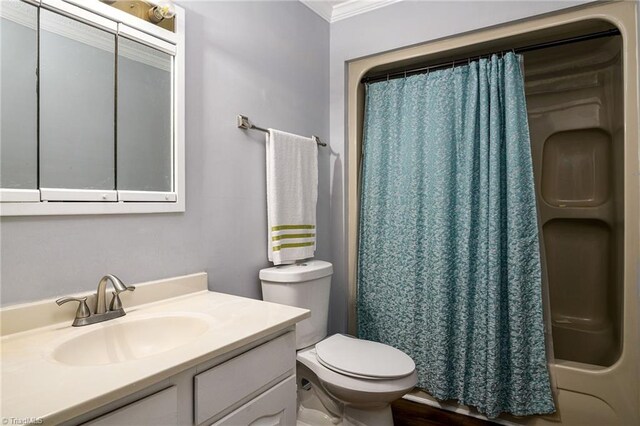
x=347, y=9
x=355, y=7
x=322, y=8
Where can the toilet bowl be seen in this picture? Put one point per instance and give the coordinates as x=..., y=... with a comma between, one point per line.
x=353, y=381
x=366, y=388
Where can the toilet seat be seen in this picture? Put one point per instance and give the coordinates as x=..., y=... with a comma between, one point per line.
x=363, y=359
x=367, y=386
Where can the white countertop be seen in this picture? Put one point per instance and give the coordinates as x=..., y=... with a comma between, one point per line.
x=35, y=385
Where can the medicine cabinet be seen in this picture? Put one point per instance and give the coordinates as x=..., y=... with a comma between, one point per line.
x=92, y=110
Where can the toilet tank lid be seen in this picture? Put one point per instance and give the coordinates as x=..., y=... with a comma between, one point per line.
x=299, y=272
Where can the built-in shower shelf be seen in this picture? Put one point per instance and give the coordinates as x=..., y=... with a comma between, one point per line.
x=604, y=213
x=569, y=343
x=576, y=168
x=586, y=325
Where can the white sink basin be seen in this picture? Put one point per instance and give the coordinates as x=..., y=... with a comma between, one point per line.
x=130, y=339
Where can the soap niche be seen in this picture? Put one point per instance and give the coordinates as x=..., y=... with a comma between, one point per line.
x=579, y=256
x=577, y=168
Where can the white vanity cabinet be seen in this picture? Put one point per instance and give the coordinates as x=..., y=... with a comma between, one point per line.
x=158, y=409
x=254, y=384
x=183, y=355
x=273, y=407
x=245, y=375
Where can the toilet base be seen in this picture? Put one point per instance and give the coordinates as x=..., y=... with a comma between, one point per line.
x=312, y=412
x=311, y=409
x=346, y=400
x=367, y=417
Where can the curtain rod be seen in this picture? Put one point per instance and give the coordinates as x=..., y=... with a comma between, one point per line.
x=243, y=122
x=404, y=73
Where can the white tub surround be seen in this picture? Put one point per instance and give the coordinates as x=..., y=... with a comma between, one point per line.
x=43, y=379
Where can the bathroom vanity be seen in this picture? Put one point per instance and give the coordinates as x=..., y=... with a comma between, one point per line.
x=181, y=355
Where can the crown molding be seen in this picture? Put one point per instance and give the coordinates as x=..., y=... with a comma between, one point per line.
x=355, y=7
x=322, y=8
x=347, y=9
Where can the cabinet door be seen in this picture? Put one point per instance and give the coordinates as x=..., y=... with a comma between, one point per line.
x=18, y=104
x=233, y=382
x=275, y=407
x=145, y=139
x=77, y=117
x=158, y=409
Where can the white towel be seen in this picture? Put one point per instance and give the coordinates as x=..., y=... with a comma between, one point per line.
x=292, y=195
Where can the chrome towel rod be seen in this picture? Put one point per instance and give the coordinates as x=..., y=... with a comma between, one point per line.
x=243, y=122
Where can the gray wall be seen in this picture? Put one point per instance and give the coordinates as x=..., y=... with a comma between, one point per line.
x=392, y=27
x=268, y=60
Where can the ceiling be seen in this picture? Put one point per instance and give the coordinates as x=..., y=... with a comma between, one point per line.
x=335, y=10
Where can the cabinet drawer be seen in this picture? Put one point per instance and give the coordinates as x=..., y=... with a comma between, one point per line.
x=241, y=377
x=158, y=409
x=275, y=407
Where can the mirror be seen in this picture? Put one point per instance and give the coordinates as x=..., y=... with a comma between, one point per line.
x=144, y=130
x=88, y=120
x=18, y=104
x=77, y=95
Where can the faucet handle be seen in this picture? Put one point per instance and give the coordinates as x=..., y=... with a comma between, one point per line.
x=83, y=309
x=116, y=304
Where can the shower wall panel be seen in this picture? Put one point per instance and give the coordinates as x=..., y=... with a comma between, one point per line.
x=574, y=103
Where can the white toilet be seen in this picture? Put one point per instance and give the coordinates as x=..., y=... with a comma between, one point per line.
x=354, y=380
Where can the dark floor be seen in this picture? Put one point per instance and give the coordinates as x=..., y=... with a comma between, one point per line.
x=408, y=413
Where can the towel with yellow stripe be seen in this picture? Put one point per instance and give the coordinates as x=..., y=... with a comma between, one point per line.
x=292, y=195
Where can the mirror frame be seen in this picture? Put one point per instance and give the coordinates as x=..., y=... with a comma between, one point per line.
x=32, y=203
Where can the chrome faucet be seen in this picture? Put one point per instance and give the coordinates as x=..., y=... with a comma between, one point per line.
x=101, y=294
x=100, y=313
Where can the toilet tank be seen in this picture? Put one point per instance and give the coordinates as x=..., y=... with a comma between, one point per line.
x=304, y=285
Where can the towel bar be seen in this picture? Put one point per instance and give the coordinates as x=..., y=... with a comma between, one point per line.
x=243, y=122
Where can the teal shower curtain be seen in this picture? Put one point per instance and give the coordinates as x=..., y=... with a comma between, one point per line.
x=449, y=263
